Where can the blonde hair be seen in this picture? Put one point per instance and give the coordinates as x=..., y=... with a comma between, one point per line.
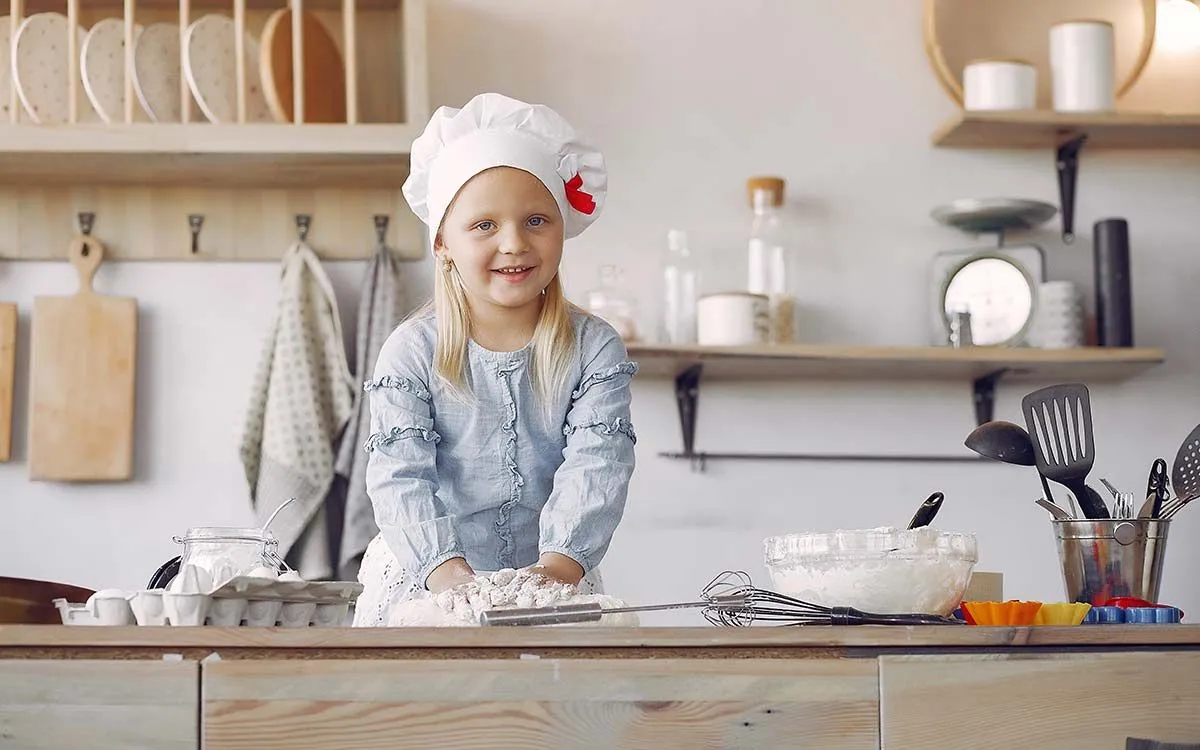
x=553, y=337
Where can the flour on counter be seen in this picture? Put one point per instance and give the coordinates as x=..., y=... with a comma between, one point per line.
x=505, y=589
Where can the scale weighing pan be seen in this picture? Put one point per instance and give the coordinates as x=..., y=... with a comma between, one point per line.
x=997, y=286
x=993, y=215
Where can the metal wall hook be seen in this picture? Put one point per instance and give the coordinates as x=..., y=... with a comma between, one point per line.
x=86, y=220
x=303, y=222
x=195, y=222
x=381, y=228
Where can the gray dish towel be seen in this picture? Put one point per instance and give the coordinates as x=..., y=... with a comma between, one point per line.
x=301, y=401
x=381, y=306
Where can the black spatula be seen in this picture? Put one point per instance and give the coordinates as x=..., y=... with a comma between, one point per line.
x=1059, y=420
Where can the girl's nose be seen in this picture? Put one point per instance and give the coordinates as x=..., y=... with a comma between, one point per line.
x=512, y=241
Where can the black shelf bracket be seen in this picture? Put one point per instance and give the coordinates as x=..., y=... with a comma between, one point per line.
x=1067, y=165
x=687, y=399
x=983, y=396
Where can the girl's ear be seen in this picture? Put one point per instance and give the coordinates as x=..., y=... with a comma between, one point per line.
x=437, y=242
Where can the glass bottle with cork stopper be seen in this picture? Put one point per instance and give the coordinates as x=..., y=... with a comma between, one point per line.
x=769, y=261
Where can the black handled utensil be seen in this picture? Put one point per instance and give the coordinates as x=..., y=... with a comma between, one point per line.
x=1158, y=475
x=1008, y=443
x=1059, y=420
x=1156, y=488
x=925, y=513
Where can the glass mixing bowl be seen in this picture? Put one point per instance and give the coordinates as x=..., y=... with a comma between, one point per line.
x=883, y=571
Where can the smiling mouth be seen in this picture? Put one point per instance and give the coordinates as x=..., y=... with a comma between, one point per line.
x=513, y=271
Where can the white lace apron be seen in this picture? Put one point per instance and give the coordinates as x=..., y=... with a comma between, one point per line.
x=386, y=583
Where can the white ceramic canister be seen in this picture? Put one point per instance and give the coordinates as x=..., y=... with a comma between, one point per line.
x=1083, y=66
x=733, y=319
x=997, y=85
x=1059, y=322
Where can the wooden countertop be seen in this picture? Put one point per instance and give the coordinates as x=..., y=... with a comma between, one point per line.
x=583, y=641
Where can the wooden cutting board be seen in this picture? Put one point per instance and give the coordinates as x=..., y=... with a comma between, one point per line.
x=8, y=369
x=83, y=359
x=324, y=70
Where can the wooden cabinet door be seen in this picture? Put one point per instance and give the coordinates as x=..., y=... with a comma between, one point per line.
x=540, y=704
x=1060, y=701
x=47, y=704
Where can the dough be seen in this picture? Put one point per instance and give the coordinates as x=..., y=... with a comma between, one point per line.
x=505, y=589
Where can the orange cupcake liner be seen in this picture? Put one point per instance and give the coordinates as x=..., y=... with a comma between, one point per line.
x=1013, y=613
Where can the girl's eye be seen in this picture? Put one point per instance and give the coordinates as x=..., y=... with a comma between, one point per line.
x=485, y=226
x=537, y=221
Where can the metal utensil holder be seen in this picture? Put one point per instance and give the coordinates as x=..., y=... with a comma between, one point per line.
x=1102, y=559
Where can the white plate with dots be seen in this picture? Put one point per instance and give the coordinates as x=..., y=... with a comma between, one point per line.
x=210, y=65
x=41, y=72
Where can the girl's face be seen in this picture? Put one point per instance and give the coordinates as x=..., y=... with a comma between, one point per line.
x=504, y=234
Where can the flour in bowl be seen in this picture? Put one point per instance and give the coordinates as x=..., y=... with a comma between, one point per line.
x=505, y=589
x=885, y=570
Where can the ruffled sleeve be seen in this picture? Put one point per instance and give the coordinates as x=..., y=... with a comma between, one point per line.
x=401, y=476
x=591, y=485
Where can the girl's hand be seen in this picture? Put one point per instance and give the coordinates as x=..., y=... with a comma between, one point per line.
x=558, y=568
x=453, y=572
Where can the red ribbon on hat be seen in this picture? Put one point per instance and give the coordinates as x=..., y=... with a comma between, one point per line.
x=581, y=201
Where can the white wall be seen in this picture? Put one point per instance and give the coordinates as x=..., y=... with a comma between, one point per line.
x=687, y=101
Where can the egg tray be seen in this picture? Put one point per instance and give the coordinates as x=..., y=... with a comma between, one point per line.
x=320, y=592
x=264, y=602
x=243, y=601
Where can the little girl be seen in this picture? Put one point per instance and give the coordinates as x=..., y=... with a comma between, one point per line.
x=501, y=434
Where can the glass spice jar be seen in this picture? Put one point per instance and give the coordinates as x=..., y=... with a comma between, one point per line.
x=223, y=553
x=616, y=305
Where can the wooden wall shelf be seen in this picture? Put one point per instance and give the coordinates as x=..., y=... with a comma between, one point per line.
x=1066, y=134
x=258, y=155
x=1047, y=129
x=982, y=367
x=891, y=363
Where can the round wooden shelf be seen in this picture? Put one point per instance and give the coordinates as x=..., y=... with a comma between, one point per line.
x=959, y=31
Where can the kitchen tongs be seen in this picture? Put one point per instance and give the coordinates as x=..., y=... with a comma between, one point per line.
x=1059, y=420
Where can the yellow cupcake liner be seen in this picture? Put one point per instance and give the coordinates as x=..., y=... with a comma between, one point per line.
x=1062, y=613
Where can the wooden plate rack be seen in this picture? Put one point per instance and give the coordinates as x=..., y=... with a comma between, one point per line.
x=146, y=182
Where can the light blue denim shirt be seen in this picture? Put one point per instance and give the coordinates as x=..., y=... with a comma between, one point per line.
x=496, y=481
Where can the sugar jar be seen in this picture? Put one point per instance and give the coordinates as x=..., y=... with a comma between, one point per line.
x=220, y=553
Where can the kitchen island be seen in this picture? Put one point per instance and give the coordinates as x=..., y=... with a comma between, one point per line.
x=583, y=687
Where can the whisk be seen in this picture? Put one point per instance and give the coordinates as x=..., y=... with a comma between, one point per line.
x=761, y=605
x=730, y=599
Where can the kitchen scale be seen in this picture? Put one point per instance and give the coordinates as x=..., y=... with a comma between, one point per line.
x=996, y=285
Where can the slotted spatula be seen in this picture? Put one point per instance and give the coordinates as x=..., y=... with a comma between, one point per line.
x=1059, y=420
x=1185, y=474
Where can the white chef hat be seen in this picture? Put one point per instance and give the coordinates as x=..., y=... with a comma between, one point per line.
x=493, y=130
